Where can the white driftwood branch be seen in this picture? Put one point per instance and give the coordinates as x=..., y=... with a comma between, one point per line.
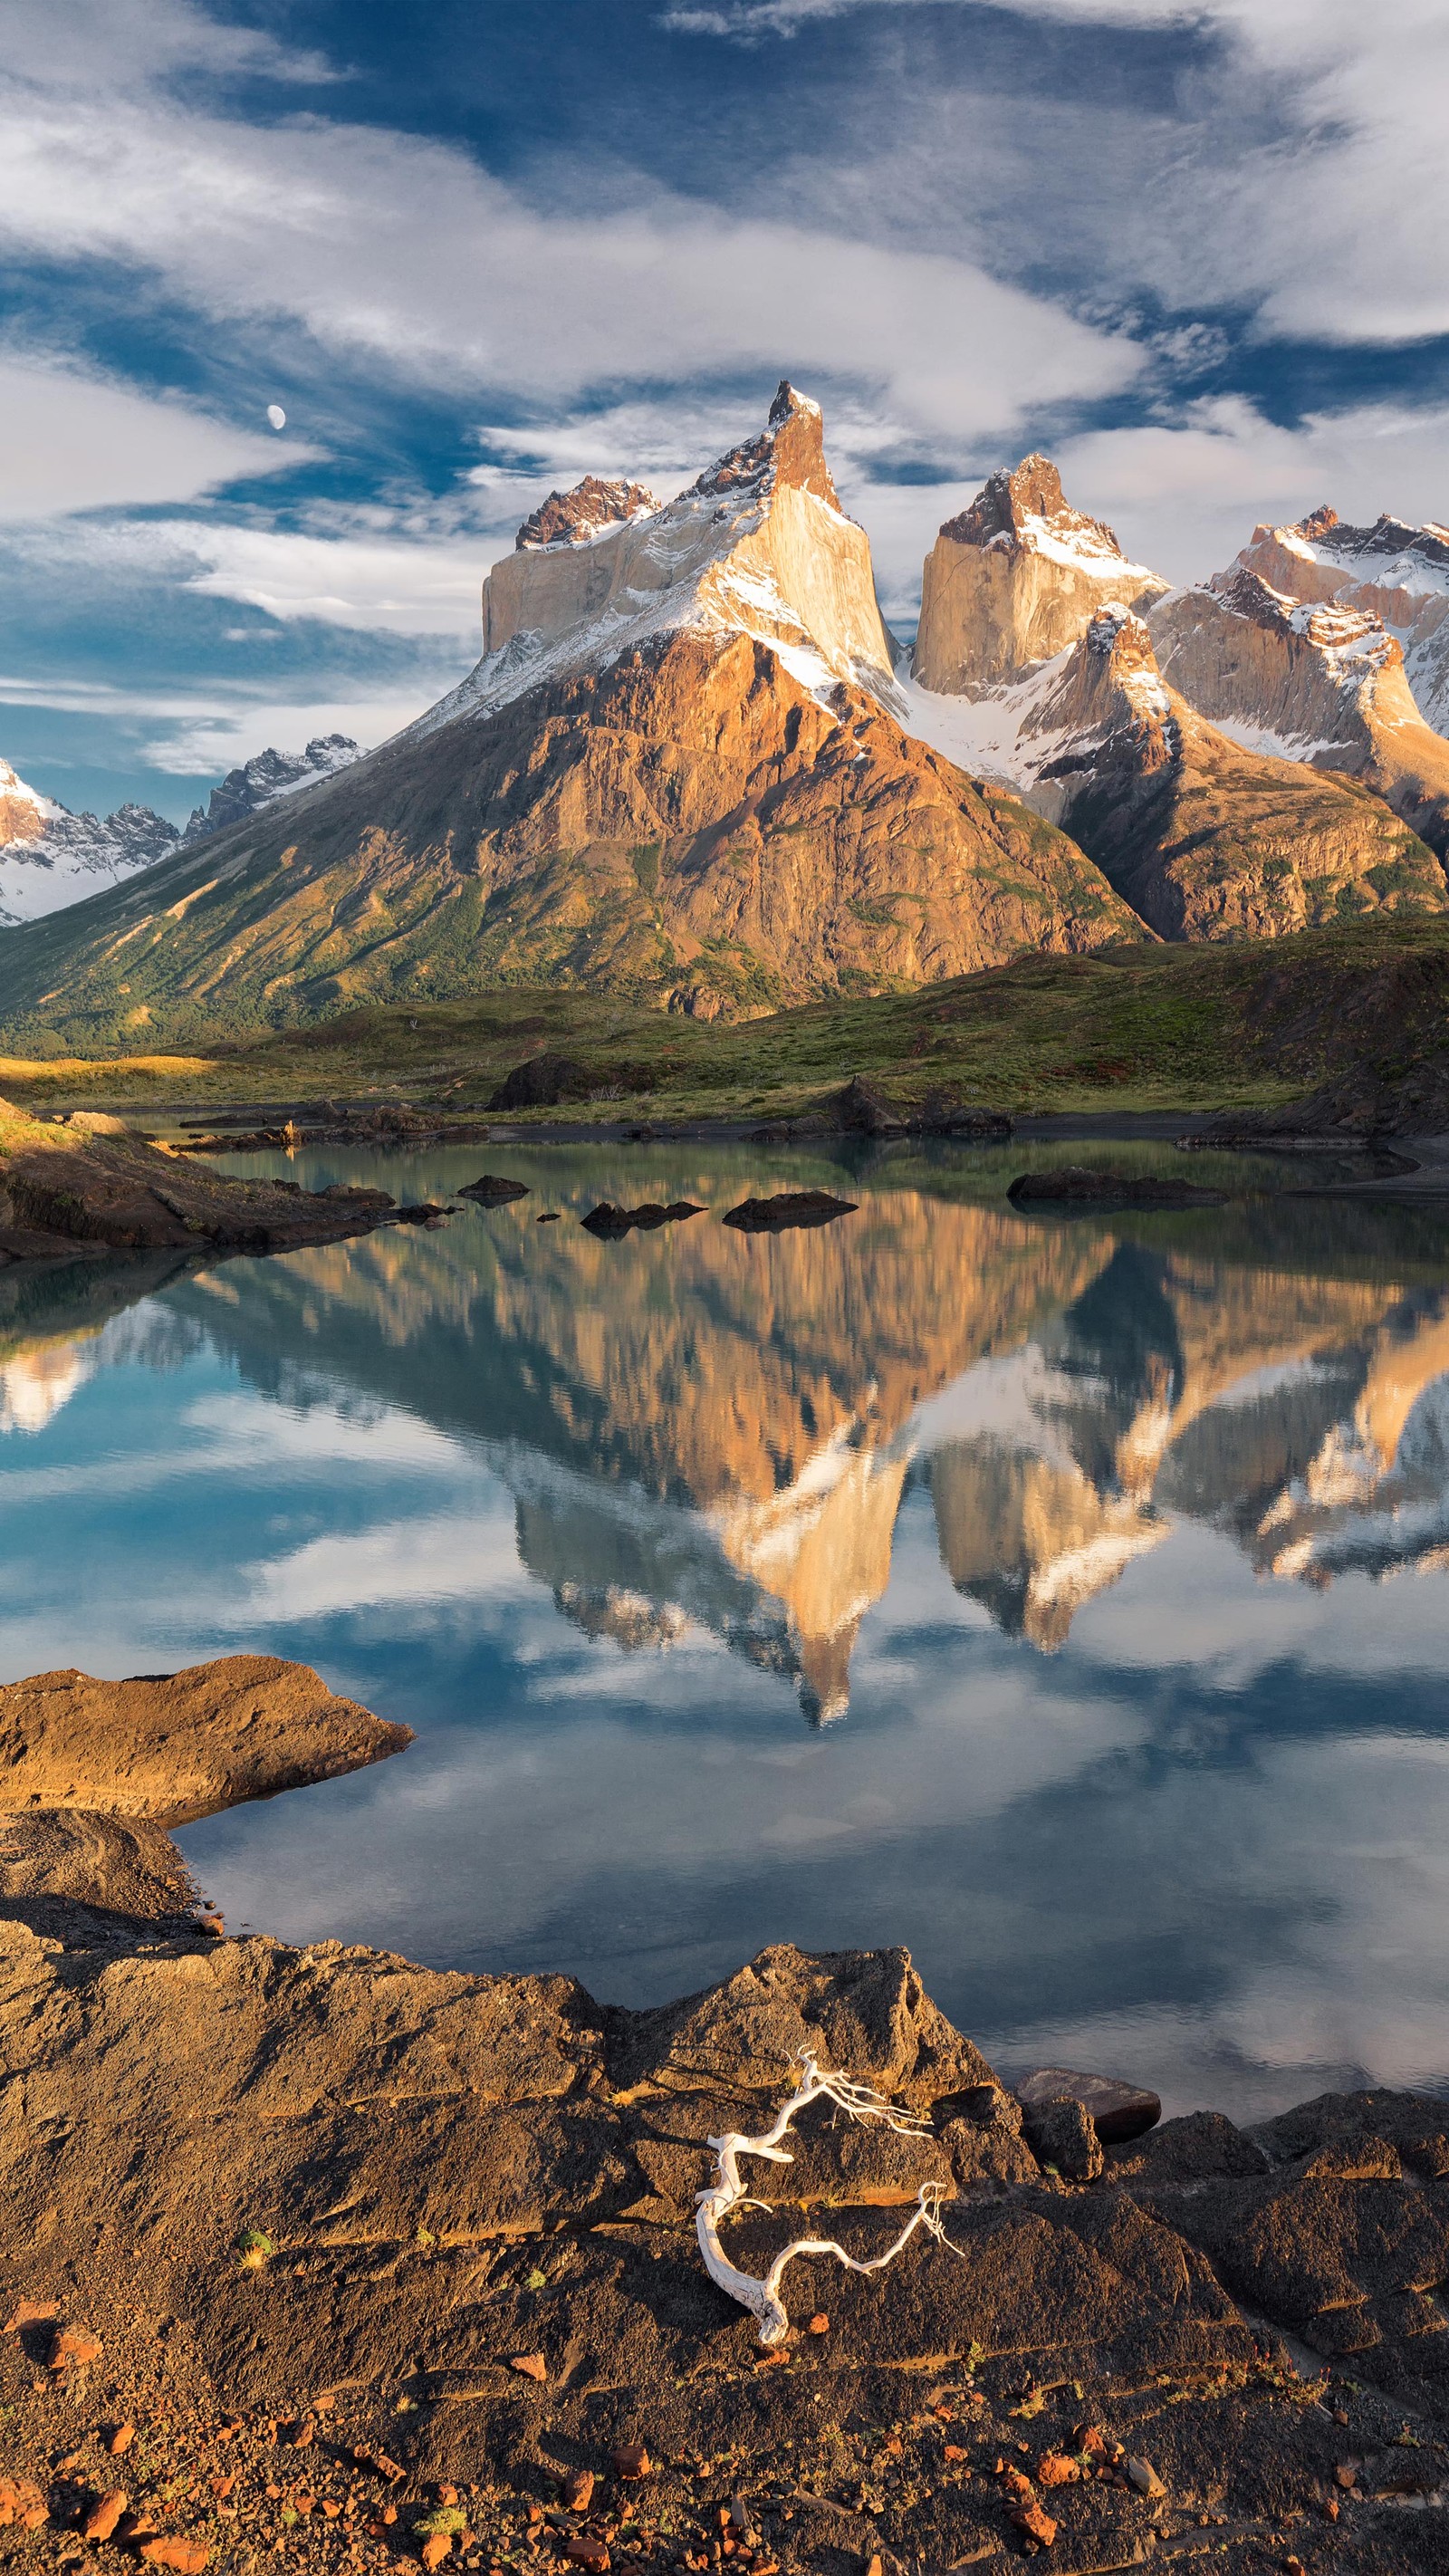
x=762, y=2298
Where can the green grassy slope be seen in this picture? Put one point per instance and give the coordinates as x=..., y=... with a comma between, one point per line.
x=1135, y=1028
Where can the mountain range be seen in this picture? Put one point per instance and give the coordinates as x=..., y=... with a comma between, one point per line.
x=50, y=858
x=694, y=768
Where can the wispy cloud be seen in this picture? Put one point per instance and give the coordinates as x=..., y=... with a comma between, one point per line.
x=407, y=254
x=72, y=440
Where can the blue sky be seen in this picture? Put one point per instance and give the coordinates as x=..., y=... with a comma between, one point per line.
x=1197, y=252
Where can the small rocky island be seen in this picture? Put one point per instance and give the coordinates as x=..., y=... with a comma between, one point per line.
x=313, y=2254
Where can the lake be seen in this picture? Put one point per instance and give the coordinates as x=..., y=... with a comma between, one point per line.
x=1068, y=1600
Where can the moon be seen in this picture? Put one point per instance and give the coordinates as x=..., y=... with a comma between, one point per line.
x=276, y=416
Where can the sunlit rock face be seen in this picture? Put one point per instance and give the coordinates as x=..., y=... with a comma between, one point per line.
x=1206, y=840
x=1016, y=578
x=759, y=545
x=1319, y=683
x=1393, y=571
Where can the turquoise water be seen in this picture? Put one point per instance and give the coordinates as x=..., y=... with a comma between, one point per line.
x=1069, y=1601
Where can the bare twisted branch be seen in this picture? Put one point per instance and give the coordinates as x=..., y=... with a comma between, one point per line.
x=762, y=2297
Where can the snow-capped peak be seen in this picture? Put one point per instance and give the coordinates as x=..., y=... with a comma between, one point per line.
x=757, y=545
x=1024, y=510
x=50, y=857
x=265, y=777
x=576, y=518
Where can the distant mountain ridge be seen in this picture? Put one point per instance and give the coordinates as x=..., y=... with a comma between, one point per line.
x=51, y=858
x=270, y=774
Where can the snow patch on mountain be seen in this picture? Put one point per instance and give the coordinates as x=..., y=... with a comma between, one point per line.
x=50, y=857
x=262, y=780
x=758, y=545
x=1392, y=570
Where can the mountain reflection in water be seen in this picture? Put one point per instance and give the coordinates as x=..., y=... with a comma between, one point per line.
x=1143, y=1449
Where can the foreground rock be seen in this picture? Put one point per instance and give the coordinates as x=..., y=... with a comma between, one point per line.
x=93, y=1772
x=419, y=2263
x=91, y=1184
x=177, y=1745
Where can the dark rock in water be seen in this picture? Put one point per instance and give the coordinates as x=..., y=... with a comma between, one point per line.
x=549, y=1217
x=967, y=1118
x=863, y=1110
x=490, y=1190
x=792, y=1207
x=1079, y=1185
x=607, y=1219
x=420, y=1212
x=1061, y=2133
x=542, y=1083
x=774, y=1132
x=1118, y=2111
x=642, y=1135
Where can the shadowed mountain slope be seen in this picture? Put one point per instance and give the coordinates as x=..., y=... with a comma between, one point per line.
x=1322, y=684
x=1204, y=839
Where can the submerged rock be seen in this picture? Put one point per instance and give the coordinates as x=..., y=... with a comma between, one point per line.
x=491, y=1190
x=1084, y=1185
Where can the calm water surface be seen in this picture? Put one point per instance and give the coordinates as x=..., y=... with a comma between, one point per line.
x=1069, y=1601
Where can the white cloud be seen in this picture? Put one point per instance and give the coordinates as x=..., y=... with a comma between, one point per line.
x=1304, y=172
x=71, y=441
x=126, y=43
x=362, y=582
x=1184, y=497
x=405, y=253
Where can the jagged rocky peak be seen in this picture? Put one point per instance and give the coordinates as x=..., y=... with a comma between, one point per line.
x=1025, y=504
x=50, y=857
x=1016, y=578
x=266, y=776
x=1391, y=570
x=1110, y=680
x=1316, y=680
x=757, y=545
x=789, y=453
x=575, y=518
x=1205, y=835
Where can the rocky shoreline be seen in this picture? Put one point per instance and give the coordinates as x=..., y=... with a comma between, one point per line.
x=87, y=1185
x=317, y=2255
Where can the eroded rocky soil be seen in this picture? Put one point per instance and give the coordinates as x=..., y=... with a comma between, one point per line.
x=383, y=2266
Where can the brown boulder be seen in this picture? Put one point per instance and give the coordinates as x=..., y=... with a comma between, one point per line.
x=180, y=1745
